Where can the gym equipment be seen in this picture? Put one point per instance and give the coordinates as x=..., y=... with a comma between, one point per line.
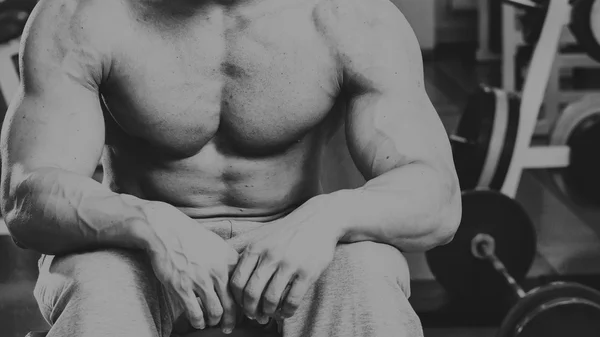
x=13, y=16
x=580, y=22
x=581, y=26
x=527, y=4
x=494, y=247
x=493, y=214
x=484, y=140
x=579, y=128
x=491, y=145
x=531, y=19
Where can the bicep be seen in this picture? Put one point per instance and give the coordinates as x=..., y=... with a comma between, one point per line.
x=390, y=119
x=62, y=128
x=56, y=119
x=388, y=131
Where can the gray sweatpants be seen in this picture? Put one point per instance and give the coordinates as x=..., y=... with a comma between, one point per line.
x=364, y=292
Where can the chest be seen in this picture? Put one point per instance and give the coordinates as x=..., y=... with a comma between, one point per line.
x=262, y=80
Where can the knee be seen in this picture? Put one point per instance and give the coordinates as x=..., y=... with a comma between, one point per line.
x=374, y=263
x=103, y=270
x=98, y=276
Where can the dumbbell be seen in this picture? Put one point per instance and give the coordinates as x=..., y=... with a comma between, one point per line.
x=494, y=247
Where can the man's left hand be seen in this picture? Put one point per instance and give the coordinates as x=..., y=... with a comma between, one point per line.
x=277, y=268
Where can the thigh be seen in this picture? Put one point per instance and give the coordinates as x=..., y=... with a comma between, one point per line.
x=365, y=264
x=109, y=274
x=363, y=292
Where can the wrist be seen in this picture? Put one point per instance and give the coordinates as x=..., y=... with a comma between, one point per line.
x=345, y=207
x=146, y=228
x=335, y=212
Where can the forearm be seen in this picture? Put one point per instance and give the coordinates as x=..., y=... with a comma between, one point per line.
x=53, y=211
x=414, y=208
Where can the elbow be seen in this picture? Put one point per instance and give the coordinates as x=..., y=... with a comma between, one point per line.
x=16, y=199
x=13, y=217
x=16, y=229
x=441, y=226
x=8, y=204
x=450, y=221
x=447, y=221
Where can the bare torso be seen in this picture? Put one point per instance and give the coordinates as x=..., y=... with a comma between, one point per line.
x=220, y=110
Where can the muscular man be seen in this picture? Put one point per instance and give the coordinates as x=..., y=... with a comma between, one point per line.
x=210, y=118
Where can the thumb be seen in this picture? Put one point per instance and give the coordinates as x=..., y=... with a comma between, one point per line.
x=232, y=260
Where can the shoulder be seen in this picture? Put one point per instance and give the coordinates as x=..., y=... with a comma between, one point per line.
x=81, y=21
x=70, y=33
x=372, y=38
x=350, y=17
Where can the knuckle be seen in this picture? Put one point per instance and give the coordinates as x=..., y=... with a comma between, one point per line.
x=292, y=303
x=289, y=264
x=228, y=314
x=220, y=276
x=254, y=248
x=181, y=285
x=250, y=296
x=292, y=306
x=194, y=313
x=236, y=283
x=271, y=299
x=303, y=273
x=271, y=255
x=215, y=314
x=200, y=281
x=228, y=305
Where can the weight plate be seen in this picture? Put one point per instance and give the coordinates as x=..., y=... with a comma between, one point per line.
x=584, y=29
x=508, y=146
x=471, y=141
x=484, y=141
x=579, y=128
x=467, y=277
x=555, y=310
x=497, y=141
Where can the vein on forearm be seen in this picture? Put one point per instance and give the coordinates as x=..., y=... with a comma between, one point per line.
x=56, y=210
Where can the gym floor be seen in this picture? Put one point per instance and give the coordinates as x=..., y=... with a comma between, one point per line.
x=568, y=247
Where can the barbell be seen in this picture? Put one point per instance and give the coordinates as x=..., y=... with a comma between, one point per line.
x=495, y=246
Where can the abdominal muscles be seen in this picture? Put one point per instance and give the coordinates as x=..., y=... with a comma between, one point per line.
x=217, y=183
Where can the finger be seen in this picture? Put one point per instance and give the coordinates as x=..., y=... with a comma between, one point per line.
x=241, y=275
x=212, y=305
x=292, y=301
x=232, y=262
x=275, y=290
x=256, y=286
x=193, y=311
x=229, y=307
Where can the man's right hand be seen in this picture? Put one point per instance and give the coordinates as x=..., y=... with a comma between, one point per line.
x=194, y=265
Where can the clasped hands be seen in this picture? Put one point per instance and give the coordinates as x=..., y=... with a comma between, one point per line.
x=265, y=272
